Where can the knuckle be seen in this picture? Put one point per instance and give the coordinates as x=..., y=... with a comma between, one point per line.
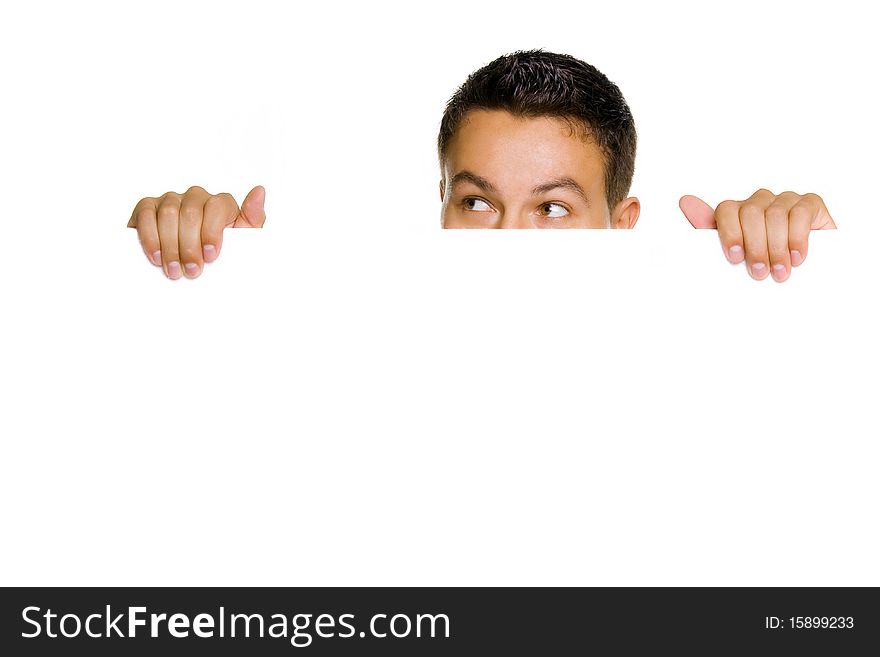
x=151, y=241
x=148, y=245
x=727, y=206
x=168, y=211
x=143, y=214
x=755, y=252
x=778, y=252
x=751, y=211
x=190, y=214
x=776, y=214
x=801, y=213
x=189, y=253
x=195, y=188
x=216, y=202
x=220, y=206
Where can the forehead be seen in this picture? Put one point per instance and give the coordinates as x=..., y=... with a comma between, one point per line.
x=515, y=151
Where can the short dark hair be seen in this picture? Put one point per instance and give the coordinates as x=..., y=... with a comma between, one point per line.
x=533, y=83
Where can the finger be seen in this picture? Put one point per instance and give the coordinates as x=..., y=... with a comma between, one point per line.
x=253, y=212
x=168, y=217
x=697, y=211
x=144, y=219
x=823, y=220
x=776, y=217
x=802, y=217
x=220, y=211
x=754, y=229
x=730, y=231
x=192, y=207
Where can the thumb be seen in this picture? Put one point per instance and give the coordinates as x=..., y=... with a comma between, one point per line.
x=253, y=212
x=697, y=211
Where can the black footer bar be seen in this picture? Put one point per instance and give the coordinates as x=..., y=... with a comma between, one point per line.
x=438, y=621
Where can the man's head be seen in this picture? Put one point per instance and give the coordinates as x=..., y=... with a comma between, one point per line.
x=537, y=140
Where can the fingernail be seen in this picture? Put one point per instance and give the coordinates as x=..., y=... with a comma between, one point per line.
x=191, y=268
x=796, y=258
x=157, y=258
x=209, y=252
x=758, y=269
x=174, y=270
x=779, y=273
x=735, y=255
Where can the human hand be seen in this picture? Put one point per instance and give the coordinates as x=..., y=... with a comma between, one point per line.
x=188, y=228
x=769, y=232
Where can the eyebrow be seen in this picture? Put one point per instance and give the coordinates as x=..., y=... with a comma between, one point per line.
x=474, y=179
x=543, y=188
x=565, y=183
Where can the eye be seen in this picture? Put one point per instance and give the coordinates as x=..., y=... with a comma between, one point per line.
x=476, y=205
x=554, y=210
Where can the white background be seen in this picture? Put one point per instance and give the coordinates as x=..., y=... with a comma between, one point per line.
x=353, y=396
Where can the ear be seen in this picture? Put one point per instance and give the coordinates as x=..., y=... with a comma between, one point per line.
x=626, y=213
